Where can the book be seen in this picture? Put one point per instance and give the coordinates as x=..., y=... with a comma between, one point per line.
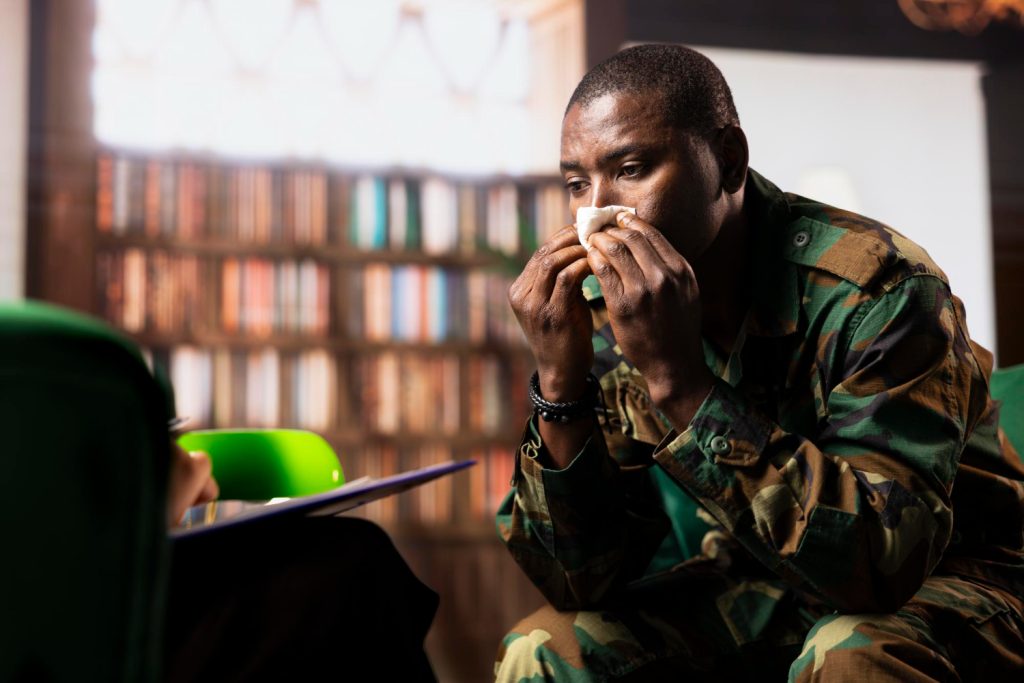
x=218, y=515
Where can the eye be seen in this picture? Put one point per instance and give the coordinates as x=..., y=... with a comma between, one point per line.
x=575, y=185
x=631, y=170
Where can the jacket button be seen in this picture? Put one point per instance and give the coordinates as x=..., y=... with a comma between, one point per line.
x=720, y=445
x=801, y=239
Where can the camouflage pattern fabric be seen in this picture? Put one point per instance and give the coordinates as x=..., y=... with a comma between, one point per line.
x=953, y=629
x=825, y=455
x=706, y=625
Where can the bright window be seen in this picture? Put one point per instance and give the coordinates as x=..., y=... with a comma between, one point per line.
x=442, y=84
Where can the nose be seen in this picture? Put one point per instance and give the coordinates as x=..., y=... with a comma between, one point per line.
x=602, y=193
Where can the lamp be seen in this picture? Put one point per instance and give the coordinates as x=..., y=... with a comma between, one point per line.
x=967, y=16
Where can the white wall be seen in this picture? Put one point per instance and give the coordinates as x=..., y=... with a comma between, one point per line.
x=13, y=135
x=901, y=141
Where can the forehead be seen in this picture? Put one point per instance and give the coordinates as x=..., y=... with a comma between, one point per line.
x=613, y=120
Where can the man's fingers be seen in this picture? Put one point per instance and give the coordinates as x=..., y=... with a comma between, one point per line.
x=566, y=237
x=618, y=252
x=665, y=251
x=607, y=276
x=643, y=253
x=540, y=276
x=634, y=263
x=570, y=278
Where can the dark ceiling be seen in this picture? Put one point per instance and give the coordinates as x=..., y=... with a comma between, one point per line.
x=852, y=27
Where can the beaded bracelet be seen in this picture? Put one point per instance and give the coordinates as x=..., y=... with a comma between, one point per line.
x=566, y=412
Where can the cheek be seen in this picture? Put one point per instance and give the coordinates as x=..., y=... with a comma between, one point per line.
x=650, y=202
x=652, y=209
x=660, y=199
x=683, y=221
x=574, y=204
x=663, y=208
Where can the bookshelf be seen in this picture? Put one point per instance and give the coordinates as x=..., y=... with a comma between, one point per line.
x=369, y=307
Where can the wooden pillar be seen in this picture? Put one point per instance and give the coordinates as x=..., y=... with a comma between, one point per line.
x=61, y=202
x=1004, y=99
x=605, y=29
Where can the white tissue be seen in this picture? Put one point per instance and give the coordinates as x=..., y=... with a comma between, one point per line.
x=591, y=219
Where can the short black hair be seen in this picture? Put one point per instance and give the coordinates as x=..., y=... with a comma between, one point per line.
x=694, y=95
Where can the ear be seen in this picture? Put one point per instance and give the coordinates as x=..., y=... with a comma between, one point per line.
x=733, y=155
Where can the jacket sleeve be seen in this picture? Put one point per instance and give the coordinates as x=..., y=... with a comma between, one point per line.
x=580, y=532
x=858, y=511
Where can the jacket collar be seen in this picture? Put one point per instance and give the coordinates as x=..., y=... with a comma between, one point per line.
x=775, y=299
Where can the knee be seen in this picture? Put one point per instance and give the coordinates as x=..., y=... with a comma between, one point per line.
x=575, y=646
x=871, y=647
x=538, y=646
x=829, y=633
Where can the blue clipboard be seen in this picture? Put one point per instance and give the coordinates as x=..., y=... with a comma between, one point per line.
x=222, y=514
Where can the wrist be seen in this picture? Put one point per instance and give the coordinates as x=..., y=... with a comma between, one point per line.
x=560, y=387
x=680, y=398
x=564, y=412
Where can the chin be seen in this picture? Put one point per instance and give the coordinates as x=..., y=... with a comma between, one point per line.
x=694, y=253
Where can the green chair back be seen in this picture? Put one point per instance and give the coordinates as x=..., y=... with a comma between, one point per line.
x=687, y=528
x=83, y=465
x=1008, y=388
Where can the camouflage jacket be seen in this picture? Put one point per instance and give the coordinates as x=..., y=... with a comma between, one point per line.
x=849, y=444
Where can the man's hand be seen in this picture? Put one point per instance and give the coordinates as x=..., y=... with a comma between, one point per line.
x=550, y=307
x=191, y=482
x=654, y=306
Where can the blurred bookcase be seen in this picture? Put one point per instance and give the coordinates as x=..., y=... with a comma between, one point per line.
x=368, y=307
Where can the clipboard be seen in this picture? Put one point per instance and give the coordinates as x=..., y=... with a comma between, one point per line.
x=222, y=514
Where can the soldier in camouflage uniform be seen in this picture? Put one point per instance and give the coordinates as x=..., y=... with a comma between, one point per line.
x=818, y=395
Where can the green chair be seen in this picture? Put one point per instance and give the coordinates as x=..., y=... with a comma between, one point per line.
x=84, y=466
x=1008, y=388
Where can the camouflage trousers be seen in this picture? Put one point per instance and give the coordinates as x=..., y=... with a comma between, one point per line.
x=953, y=629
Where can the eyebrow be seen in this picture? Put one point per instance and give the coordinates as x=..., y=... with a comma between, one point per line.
x=625, y=150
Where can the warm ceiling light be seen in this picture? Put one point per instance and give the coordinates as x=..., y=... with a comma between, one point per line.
x=967, y=16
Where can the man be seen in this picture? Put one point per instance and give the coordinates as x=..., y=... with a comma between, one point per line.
x=802, y=372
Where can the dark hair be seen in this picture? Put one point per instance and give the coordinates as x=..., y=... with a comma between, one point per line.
x=693, y=93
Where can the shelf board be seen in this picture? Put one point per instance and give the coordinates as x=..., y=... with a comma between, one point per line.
x=340, y=255
x=461, y=439
x=305, y=343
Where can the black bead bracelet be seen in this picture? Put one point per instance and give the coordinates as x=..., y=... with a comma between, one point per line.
x=564, y=413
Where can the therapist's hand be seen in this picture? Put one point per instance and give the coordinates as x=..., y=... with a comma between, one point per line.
x=191, y=482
